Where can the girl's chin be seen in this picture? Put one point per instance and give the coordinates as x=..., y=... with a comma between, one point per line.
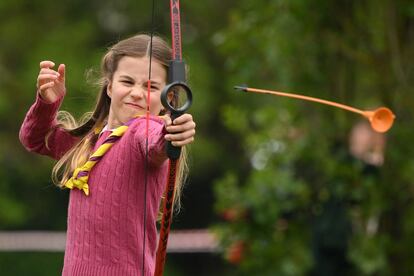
x=132, y=116
x=139, y=114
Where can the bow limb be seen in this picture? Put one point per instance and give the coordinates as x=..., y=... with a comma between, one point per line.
x=176, y=82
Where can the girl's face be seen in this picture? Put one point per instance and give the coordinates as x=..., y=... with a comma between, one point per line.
x=128, y=89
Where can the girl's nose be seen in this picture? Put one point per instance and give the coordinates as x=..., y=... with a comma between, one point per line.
x=138, y=92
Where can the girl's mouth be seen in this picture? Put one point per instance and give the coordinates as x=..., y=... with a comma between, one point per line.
x=136, y=106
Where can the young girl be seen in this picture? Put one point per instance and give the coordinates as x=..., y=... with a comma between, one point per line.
x=105, y=231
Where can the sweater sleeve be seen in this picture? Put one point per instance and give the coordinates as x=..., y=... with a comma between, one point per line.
x=39, y=121
x=156, y=141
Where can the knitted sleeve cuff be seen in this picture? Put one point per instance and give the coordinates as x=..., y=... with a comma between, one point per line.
x=156, y=140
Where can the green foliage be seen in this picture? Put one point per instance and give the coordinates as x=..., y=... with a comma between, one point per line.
x=77, y=33
x=31, y=263
x=303, y=192
x=285, y=183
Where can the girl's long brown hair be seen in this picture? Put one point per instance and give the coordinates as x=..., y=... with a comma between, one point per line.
x=85, y=129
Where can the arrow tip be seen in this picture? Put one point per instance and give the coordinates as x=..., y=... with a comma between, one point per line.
x=242, y=87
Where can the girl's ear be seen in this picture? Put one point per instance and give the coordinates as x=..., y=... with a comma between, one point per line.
x=109, y=89
x=170, y=98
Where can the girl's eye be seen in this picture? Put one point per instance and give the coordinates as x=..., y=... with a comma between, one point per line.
x=127, y=82
x=153, y=88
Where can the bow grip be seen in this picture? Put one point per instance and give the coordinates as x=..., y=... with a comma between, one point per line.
x=176, y=86
x=173, y=152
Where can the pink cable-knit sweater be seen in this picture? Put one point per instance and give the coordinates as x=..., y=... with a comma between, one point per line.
x=105, y=229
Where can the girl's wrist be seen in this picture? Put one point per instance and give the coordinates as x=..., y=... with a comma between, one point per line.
x=44, y=100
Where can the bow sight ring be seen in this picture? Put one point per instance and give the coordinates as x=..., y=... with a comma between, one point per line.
x=172, y=88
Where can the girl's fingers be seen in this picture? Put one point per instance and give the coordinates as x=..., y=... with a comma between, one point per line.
x=167, y=120
x=181, y=128
x=47, y=64
x=43, y=77
x=183, y=142
x=61, y=71
x=51, y=83
x=182, y=131
x=48, y=71
x=183, y=118
x=45, y=86
x=180, y=136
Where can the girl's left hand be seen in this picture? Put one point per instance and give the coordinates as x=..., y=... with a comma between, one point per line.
x=182, y=132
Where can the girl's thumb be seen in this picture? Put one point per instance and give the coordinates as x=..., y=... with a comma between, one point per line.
x=61, y=71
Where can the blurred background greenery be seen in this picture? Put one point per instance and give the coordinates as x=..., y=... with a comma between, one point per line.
x=288, y=187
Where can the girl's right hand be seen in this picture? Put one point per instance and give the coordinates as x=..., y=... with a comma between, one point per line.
x=51, y=83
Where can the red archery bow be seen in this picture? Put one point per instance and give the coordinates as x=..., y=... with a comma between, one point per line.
x=176, y=82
